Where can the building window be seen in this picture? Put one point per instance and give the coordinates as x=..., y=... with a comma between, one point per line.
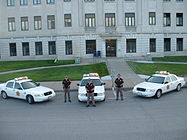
x=37, y=23
x=131, y=46
x=23, y=2
x=50, y=1
x=67, y=0
x=38, y=48
x=10, y=3
x=24, y=24
x=167, y=44
x=52, y=47
x=13, y=51
x=68, y=47
x=110, y=20
x=130, y=19
x=36, y=2
x=152, y=18
x=25, y=48
x=179, y=0
x=179, y=18
x=109, y=0
x=11, y=24
x=152, y=45
x=166, y=0
x=89, y=0
x=179, y=44
x=90, y=46
x=67, y=20
x=90, y=20
x=167, y=19
x=51, y=22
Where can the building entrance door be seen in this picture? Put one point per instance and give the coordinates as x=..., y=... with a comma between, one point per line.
x=110, y=48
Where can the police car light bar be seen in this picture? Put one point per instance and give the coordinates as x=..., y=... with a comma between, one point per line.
x=91, y=75
x=162, y=72
x=21, y=78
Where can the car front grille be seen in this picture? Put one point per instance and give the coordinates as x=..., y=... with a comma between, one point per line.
x=48, y=93
x=95, y=94
x=141, y=89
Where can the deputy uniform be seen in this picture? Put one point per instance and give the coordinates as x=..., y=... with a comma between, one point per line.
x=90, y=93
x=119, y=87
x=66, y=86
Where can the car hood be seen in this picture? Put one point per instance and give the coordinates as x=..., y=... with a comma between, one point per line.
x=98, y=89
x=148, y=85
x=38, y=90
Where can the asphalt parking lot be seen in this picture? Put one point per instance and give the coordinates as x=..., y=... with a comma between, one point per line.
x=135, y=118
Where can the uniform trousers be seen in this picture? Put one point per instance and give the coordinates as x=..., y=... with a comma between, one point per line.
x=119, y=90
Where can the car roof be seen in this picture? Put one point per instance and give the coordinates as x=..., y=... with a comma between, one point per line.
x=163, y=75
x=91, y=77
x=20, y=81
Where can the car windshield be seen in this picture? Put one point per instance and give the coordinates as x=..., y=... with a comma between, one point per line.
x=156, y=79
x=96, y=82
x=29, y=84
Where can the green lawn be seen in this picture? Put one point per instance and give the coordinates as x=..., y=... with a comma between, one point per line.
x=149, y=69
x=171, y=59
x=15, y=65
x=57, y=74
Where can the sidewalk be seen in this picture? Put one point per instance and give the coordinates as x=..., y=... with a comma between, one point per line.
x=161, y=62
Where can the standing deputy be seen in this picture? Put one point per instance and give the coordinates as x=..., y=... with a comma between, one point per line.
x=90, y=92
x=119, y=87
x=66, y=86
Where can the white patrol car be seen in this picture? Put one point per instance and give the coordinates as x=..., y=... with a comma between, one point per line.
x=158, y=84
x=24, y=88
x=99, y=92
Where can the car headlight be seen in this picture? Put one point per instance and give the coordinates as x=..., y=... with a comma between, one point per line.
x=100, y=94
x=38, y=95
x=150, y=90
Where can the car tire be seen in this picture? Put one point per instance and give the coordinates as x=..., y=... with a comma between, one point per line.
x=104, y=100
x=178, y=87
x=4, y=95
x=158, y=94
x=30, y=99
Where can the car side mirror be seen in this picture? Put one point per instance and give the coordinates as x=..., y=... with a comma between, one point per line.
x=38, y=84
x=103, y=84
x=146, y=79
x=166, y=83
x=78, y=84
x=19, y=88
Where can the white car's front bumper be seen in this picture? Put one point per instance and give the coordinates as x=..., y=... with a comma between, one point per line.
x=143, y=93
x=83, y=97
x=44, y=98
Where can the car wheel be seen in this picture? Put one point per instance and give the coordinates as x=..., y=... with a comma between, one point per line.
x=178, y=87
x=104, y=100
x=4, y=95
x=30, y=99
x=158, y=94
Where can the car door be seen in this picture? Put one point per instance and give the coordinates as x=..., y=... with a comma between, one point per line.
x=167, y=84
x=174, y=82
x=9, y=89
x=19, y=91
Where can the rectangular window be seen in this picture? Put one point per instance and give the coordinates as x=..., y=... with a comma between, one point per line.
x=109, y=0
x=131, y=46
x=90, y=20
x=167, y=19
x=152, y=45
x=38, y=48
x=68, y=47
x=130, y=19
x=89, y=0
x=25, y=49
x=166, y=0
x=110, y=20
x=37, y=23
x=13, y=51
x=11, y=24
x=179, y=0
x=50, y=1
x=35, y=2
x=90, y=46
x=24, y=24
x=152, y=18
x=52, y=47
x=51, y=22
x=179, y=18
x=67, y=0
x=10, y=3
x=67, y=20
x=167, y=44
x=23, y=2
x=179, y=44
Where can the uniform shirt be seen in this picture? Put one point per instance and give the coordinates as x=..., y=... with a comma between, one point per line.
x=90, y=87
x=66, y=83
x=119, y=82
